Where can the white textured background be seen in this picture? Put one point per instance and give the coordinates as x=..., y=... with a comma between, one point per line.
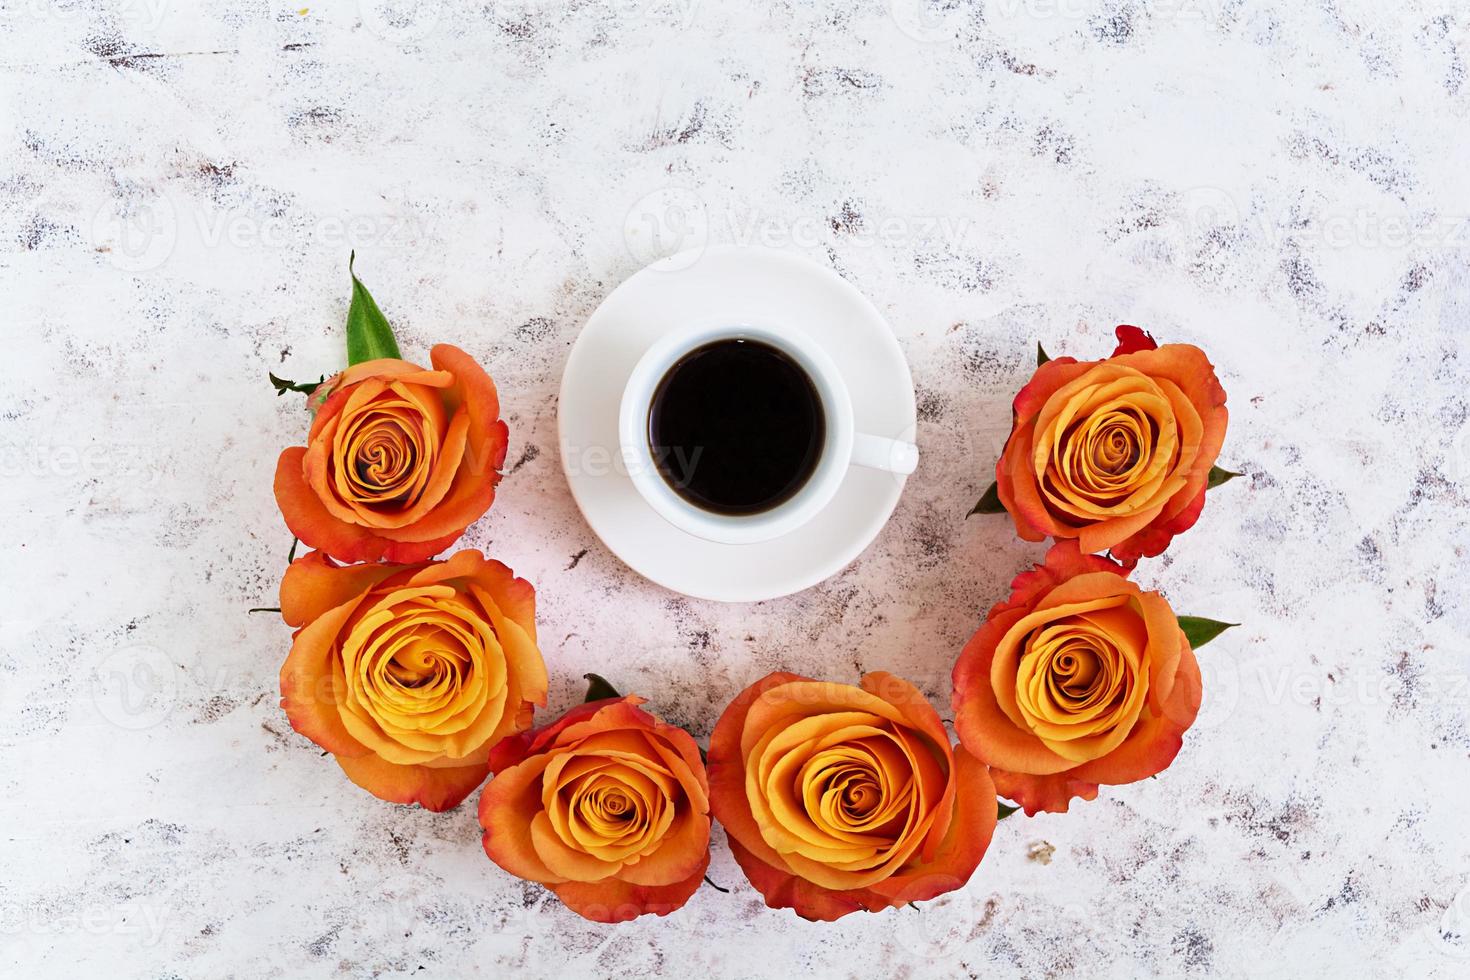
x=1283, y=182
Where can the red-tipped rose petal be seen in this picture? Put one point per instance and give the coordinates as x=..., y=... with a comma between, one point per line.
x=1035, y=794
x=614, y=900
x=1155, y=741
x=433, y=788
x=1131, y=338
x=310, y=521
x=783, y=890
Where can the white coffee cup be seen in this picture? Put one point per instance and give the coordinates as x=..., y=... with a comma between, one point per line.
x=844, y=446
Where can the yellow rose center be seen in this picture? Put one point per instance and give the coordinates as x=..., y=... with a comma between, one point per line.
x=1073, y=680
x=1103, y=455
x=610, y=807
x=385, y=455
x=848, y=790
x=606, y=807
x=846, y=796
x=427, y=665
x=1110, y=445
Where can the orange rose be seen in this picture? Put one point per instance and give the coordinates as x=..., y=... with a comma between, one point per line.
x=399, y=460
x=1115, y=453
x=838, y=799
x=409, y=675
x=608, y=807
x=1080, y=678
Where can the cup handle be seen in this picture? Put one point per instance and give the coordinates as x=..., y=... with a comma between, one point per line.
x=878, y=453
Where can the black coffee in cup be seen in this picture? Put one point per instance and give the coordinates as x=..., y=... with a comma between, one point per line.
x=736, y=427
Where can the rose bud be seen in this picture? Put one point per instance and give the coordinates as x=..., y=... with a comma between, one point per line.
x=608, y=807
x=399, y=459
x=1080, y=678
x=1115, y=454
x=839, y=799
x=409, y=675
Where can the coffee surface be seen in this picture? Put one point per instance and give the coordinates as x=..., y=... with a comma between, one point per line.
x=736, y=427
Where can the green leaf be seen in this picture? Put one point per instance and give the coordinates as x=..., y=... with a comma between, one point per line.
x=1003, y=810
x=989, y=503
x=598, y=688
x=305, y=387
x=1219, y=476
x=1200, y=630
x=1041, y=355
x=369, y=336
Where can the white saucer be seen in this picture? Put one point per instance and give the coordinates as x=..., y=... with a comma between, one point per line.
x=747, y=285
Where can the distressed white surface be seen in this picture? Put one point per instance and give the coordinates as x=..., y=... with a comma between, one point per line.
x=1280, y=181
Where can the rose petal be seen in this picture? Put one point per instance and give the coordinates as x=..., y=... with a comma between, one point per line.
x=564, y=861
x=783, y=890
x=1050, y=793
x=683, y=850
x=1154, y=742
x=1015, y=483
x=394, y=369
x=1048, y=378
x=310, y=521
x=434, y=788
x=311, y=692
x=963, y=846
x=983, y=727
x=507, y=807
x=314, y=583
x=472, y=490
x=1154, y=540
x=411, y=552
x=726, y=767
x=1131, y=338
x=1166, y=645
x=1063, y=561
x=616, y=900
